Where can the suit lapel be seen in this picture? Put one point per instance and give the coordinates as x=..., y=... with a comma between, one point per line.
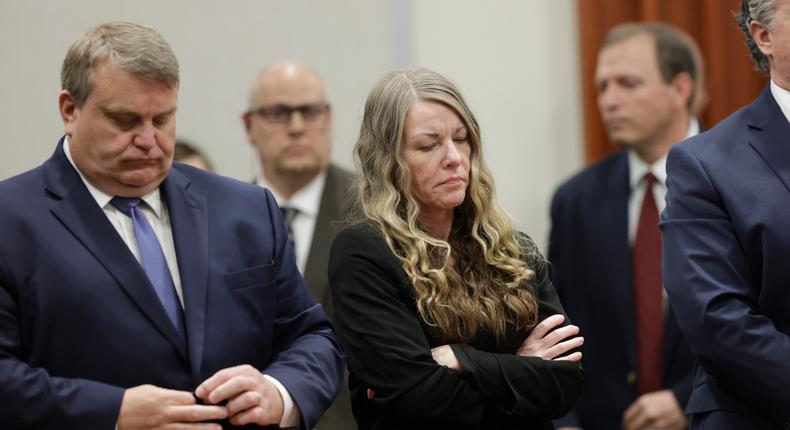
x=77, y=210
x=314, y=276
x=770, y=135
x=615, y=224
x=189, y=223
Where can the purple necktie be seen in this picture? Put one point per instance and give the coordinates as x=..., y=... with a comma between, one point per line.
x=153, y=260
x=289, y=213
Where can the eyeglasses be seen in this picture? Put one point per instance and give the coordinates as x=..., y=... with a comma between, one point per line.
x=281, y=114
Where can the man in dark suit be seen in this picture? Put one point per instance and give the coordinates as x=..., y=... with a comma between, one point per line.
x=290, y=124
x=605, y=243
x=139, y=294
x=727, y=245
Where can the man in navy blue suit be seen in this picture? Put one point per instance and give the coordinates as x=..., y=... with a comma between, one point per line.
x=135, y=293
x=727, y=244
x=605, y=242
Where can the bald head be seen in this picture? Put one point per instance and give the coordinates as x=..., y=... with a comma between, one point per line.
x=290, y=124
x=285, y=82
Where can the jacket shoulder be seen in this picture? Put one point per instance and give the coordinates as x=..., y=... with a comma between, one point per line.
x=596, y=177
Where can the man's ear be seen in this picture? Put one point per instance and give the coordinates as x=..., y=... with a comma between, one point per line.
x=68, y=111
x=762, y=37
x=246, y=120
x=683, y=87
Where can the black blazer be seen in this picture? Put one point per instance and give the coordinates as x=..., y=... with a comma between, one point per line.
x=389, y=351
x=591, y=263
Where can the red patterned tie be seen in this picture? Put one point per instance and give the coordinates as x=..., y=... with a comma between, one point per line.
x=648, y=294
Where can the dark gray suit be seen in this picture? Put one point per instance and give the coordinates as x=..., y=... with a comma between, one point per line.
x=332, y=212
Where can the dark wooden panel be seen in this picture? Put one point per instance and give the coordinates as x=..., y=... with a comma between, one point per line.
x=729, y=73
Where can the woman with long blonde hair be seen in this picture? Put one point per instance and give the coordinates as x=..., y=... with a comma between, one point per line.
x=445, y=310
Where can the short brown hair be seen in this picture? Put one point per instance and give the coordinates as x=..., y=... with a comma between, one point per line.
x=134, y=48
x=676, y=51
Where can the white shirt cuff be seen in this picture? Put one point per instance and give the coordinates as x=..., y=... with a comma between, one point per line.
x=291, y=415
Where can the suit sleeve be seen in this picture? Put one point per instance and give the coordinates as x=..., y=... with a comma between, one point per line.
x=308, y=360
x=526, y=386
x=376, y=322
x=714, y=292
x=30, y=397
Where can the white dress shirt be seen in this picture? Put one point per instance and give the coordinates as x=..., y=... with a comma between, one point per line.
x=637, y=169
x=155, y=211
x=782, y=97
x=307, y=201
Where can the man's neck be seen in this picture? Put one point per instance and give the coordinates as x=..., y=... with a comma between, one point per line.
x=287, y=186
x=656, y=148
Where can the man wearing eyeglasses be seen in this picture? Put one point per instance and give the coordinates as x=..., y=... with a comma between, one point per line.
x=290, y=123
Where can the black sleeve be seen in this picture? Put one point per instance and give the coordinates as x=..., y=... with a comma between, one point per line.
x=388, y=350
x=384, y=341
x=526, y=386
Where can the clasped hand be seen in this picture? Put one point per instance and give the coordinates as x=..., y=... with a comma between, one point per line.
x=249, y=399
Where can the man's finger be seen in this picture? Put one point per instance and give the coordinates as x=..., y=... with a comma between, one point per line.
x=176, y=397
x=254, y=415
x=195, y=413
x=218, y=379
x=243, y=401
x=635, y=417
x=231, y=388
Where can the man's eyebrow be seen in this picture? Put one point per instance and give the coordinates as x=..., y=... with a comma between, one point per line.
x=168, y=112
x=118, y=112
x=126, y=112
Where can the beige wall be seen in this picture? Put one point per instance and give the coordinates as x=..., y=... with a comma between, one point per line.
x=516, y=62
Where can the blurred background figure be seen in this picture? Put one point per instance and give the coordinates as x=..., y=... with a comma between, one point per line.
x=186, y=153
x=437, y=295
x=637, y=363
x=289, y=122
x=727, y=243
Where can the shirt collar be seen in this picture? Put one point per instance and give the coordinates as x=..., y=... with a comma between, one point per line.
x=782, y=97
x=307, y=200
x=152, y=199
x=637, y=168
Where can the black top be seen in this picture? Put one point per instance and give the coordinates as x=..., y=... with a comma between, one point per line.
x=389, y=351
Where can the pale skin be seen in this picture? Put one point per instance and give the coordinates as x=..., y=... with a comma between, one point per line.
x=122, y=138
x=294, y=153
x=639, y=109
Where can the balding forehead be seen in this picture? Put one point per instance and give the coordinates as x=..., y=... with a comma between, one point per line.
x=287, y=80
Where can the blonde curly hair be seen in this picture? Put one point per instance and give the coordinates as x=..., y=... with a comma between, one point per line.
x=476, y=280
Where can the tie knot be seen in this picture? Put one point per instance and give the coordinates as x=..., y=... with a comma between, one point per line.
x=125, y=204
x=650, y=179
x=289, y=213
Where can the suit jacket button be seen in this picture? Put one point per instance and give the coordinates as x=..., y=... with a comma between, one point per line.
x=631, y=378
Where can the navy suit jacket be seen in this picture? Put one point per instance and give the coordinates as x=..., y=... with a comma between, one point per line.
x=591, y=259
x=80, y=322
x=726, y=257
